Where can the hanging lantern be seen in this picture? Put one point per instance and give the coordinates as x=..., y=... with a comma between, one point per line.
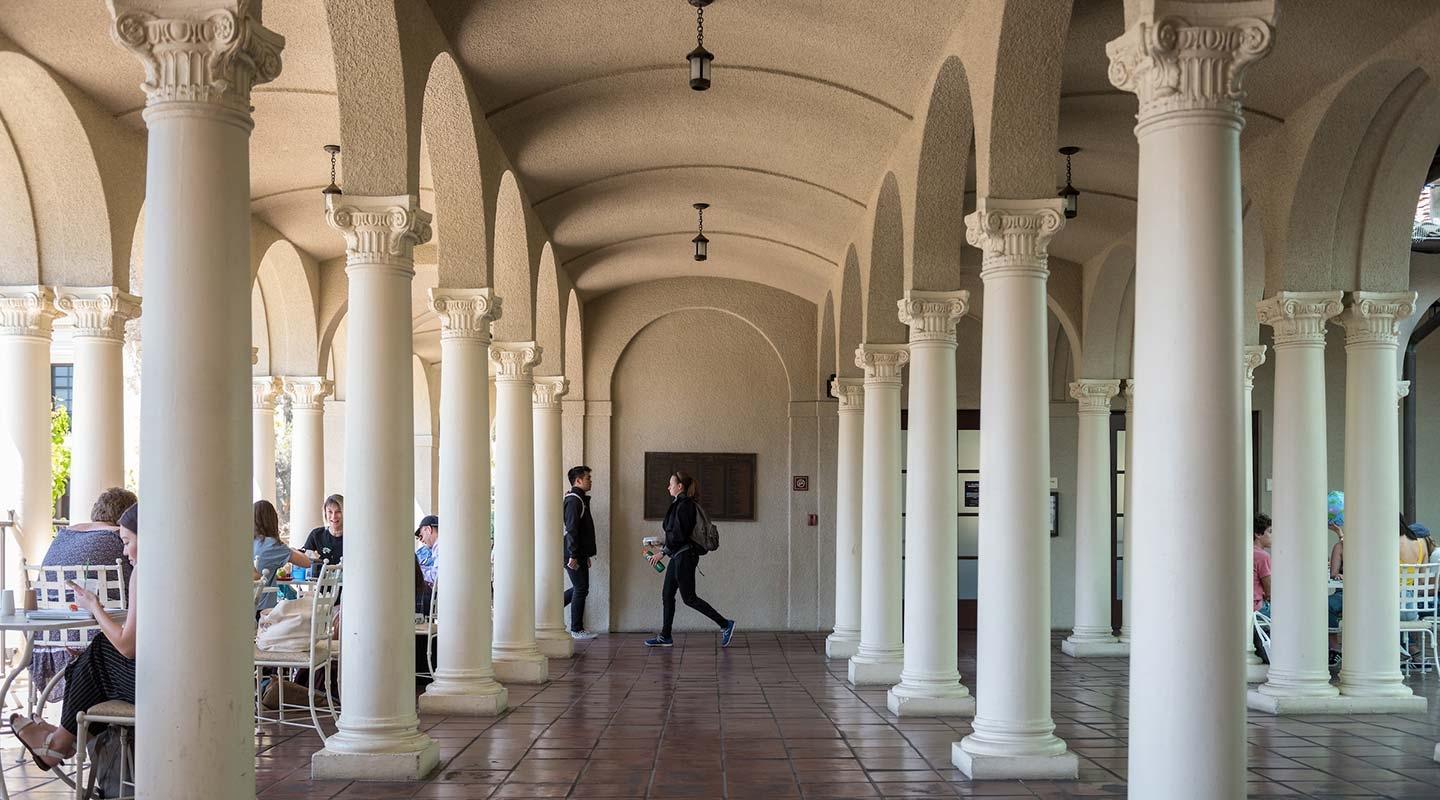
x=1070, y=195
x=333, y=188
x=702, y=245
x=700, y=58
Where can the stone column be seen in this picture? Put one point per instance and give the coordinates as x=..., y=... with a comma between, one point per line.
x=27, y=314
x=929, y=682
x=844, y=641
x=464, y=676
x=1370, y=669
x=379, y=736
x=551, y=637
x=1299, y=676
x=97, y=424
x=1255, y=669
x=307, y=454
x=517, y=657
x=200, y=61
x=1127, y=544
x=1185, y=61
x=263, y=392
x=1093, y=634
x=880, y=656
x=1013, y=733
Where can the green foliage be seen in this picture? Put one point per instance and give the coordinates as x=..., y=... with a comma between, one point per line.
x=59, y=450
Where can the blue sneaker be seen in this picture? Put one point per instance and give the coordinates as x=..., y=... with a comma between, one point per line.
x=727, y=633
x=660, y=641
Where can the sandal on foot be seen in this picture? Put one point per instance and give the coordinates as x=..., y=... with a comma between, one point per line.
x=18, y=724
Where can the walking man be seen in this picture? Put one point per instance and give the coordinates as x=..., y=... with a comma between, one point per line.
x=579, y=548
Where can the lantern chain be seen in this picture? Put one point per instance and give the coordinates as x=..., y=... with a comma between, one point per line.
x=700, y=26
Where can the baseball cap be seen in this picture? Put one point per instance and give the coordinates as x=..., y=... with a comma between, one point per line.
x=429, y=519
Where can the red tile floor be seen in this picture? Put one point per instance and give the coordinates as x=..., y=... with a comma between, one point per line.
x=771, y=718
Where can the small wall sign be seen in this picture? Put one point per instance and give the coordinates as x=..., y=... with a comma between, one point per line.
x=800, y=483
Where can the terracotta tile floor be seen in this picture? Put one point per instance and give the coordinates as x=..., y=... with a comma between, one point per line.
x=771, y=718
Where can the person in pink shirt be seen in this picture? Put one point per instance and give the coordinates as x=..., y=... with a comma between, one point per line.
x=1261, y=586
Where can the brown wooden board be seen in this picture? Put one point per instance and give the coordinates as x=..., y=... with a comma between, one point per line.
x=727, y=483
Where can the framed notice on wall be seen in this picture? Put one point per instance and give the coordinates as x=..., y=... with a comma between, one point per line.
x=727, y=483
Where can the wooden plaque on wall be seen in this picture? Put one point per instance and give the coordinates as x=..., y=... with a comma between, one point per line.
x=727, y=483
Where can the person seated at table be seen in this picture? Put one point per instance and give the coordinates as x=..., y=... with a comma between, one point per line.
x=326, y=543
x=271, y=553
x=1260, y=584
x=428, y=534
x=104, y=672
x=1335, y=604
x=95, y=542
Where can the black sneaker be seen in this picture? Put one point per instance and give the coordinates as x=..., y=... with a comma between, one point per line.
x=660, y=641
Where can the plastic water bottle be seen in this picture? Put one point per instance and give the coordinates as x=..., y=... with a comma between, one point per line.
x=652, y=546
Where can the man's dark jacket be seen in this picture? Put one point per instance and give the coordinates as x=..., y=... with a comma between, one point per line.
x=579, y=525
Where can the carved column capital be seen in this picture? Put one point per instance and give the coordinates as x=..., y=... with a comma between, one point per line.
x=1186, y=56
x=1298, y=318
x=98, y=313
x=465, y=313
x=1014, y=235
x=514, y=361
x=931, y=316
x=263, y=393
x=546, y=394
x=1094, y=395
x=882, y=362
x=1373, y=318
x=1253, y=357
x=1129, y=393
x=307, y=394
x=211, y=56
x=1402, y=391
x=27, y=311
x=379, y=231
x=850, y=392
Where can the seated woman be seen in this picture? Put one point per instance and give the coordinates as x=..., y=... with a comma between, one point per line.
x=105, y=671
x=271, y=553
x=95, y=542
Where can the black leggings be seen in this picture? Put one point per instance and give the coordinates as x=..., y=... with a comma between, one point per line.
x=101, y=673
x=680, y=574
x=575, y=597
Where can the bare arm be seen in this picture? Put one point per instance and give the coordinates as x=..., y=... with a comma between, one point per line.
x=299, y=559
x=1337, y=561
x=121, y=635
x=1265, y=587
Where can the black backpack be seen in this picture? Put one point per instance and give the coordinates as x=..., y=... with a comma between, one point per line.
x=705, y=535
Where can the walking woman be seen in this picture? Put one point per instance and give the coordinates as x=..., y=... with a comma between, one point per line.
x=684, y=558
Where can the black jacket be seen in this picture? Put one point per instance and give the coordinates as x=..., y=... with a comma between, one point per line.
x=579, y=525
x=679, y=524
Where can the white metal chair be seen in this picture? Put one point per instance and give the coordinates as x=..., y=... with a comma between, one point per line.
x=116, y=713
x=316, y=658
x=1418, y=598
x=427, y=628
x=1262, y=629
x=51, y=592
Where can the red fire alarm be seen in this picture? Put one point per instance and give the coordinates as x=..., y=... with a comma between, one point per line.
x=813, y=520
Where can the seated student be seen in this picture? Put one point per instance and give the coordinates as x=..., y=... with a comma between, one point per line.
x=270, y=553
x=1336, y=602
x=327, y=543
x=1260, y=585
x=105, y=671
x=428, y=534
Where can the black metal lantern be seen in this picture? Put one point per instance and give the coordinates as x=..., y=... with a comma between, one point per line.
x=1070, y=195
x=702, y=245
x=333, y=188
x=700, y=58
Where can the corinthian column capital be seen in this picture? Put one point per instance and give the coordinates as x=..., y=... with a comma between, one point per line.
x=1184, y=56
x=379, y=231
x=1094, y=396
x=27, y=311
x=882, y=362
x=263, y=392
x=1373, y=318
x=213, y=55
x=1253, y=357
x=931, y=316
x=99, y=313
x=546, y=394
x=1298, y=317
x=514, y=361
x=307, y=394
x=850, y=392
x=1014, y=235
x=465, y=313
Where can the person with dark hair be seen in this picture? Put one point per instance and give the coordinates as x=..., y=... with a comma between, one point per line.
x=269, y=553
x=1261, y=552
x=580, y=547
x=684, y=556
x=427, y=533
x=105, y=671
x=325, y=543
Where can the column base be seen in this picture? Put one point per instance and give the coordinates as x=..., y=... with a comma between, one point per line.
x=1256, y=672
x=872, y=671
x=1288, y=705
x=1094, y=648
x=478, y=701
x=987, y=766
x=530, y=669
x=841, y=645
x=554, y=643
x=929, y=701
x=412, y=766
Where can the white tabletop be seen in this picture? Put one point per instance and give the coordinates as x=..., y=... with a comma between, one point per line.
x=19, y=622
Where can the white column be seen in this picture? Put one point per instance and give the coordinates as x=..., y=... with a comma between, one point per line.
x=1127, y=543
x=1185, y=62
x=1013, y=733
x=844, y=641
x=551, y=637
x=263, y=392
x=464, y=676
x=97, y=419
x=379, y=736
x=307, y=454
x=1299, y=676
x=881, y=654
x=1370, y=667
x=517, y=657
x=27, y=314
x=1255, y=669
x=929, y=681
x=1093, y=635
x=196, y=713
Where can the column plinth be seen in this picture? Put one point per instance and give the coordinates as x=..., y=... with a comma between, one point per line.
x=1255, y=669
x=98, y=424
x=1013, y=735
x=464, y=674
x=551, y=638
x=844, y=640
x=307, y=452
x=1092, y=634
x=263, y=392
x=881, y=653
x=929, y=680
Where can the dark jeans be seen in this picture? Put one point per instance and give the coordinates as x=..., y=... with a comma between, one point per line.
x=680, y=574
x=575, y=597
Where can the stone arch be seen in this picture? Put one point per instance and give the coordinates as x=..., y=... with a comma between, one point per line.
x=945, y=148
x=1107, y=340
x=679, y=309
x=1068, y=327
x=425, y=414
x=333, y=341
x=514, y=276
x=850, y=325
x=549, y=315
x=284, y=283
x=884, y=273
x=825, y=366
x=382, y=146
x=448, y=124
x=574, y=347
